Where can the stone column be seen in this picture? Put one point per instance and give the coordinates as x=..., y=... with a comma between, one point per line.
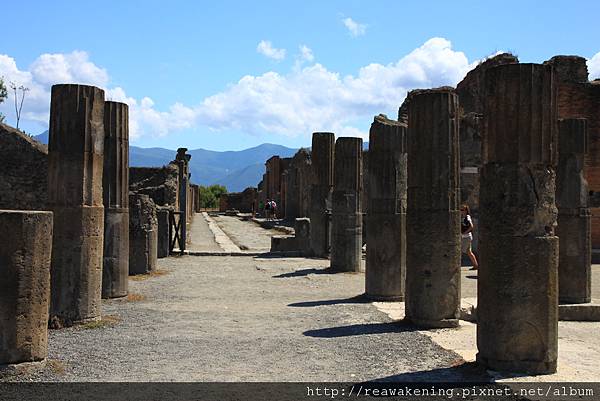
x=75, y=164
x=346, y=214
x=320, y=192
x=115, y=187
x=433, y=216
x=386, y=243
x=517, y=286
x=143, y=234
x=574, y=218
x=182, y=161
x=26, y=239
x=163, y=233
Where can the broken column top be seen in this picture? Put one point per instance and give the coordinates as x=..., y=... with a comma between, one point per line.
x=347, y=170
x=66, y=117
x=520, y=114
x=387, y=135
x=322, y=155
x=182, y=155
x=471, y=89
x=403, y=111
x=569, y=68
x=76, y=145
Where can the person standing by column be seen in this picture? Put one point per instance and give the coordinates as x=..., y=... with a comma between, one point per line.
x=466, y=230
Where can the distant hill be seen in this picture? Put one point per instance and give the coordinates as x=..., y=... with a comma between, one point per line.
x=236, y=170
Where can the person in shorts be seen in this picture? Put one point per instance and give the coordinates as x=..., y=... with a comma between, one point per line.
x=466, y=230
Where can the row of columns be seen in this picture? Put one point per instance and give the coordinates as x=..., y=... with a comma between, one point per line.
x=414, y=208
x=59, y=264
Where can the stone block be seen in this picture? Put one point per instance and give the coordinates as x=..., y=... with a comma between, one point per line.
x=26, y=239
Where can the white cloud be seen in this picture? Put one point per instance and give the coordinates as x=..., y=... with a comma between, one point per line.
x=72, y=67
x=306, y=54
x=354, y=27
x=594, y=66
x=266, y=48
x=314, y=98
x=306, y=99
x=75, y=67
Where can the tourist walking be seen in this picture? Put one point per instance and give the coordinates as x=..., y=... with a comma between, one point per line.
x=466, y=229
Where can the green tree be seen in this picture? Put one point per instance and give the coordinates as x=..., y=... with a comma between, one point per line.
x=3, y=94
x=207, y=199
x=217, y=191
x=209, y=196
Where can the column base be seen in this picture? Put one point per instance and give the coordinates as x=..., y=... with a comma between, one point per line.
x=530, y=367
x=384, y=298
x=434, y=324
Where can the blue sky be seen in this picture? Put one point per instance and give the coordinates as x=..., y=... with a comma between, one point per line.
x=229, y=75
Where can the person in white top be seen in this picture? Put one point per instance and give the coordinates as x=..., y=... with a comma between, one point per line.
x=466, y=229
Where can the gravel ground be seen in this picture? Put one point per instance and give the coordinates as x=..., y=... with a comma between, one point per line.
x=245, y=319
x=247, y=235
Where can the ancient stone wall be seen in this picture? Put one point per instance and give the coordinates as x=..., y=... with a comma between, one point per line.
x=244, y=201
x=297, y=194
x=160, y=183
x=578, y=98
x=24, y=171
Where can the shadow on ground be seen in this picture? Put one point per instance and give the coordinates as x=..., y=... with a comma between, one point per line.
x=464, y=372
x=359, y=299
x=361, y=329
x=306, y=272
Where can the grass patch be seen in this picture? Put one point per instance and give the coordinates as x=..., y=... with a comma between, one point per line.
x=153, y=273
x=133, y=297
x=106, y=321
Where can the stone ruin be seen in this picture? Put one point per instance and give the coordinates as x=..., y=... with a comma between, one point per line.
x=298, y=181
x=24, y=285
x=245, y=201
x=386, y=212
x=574, y=218
x=143, y=234
x=433, y=218
x=24, y=172
x=75, y=167
x=517, y=311
x=346, y=211
x=517, y=141
x=115, y=269
x=57, y=264
x=322, y=152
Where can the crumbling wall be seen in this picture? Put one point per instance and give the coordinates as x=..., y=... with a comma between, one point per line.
x=160, y=183
x=23, y=171
x=579, y=98
x=244, y=201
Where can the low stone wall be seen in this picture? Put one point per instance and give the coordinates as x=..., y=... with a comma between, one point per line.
x=24, y=171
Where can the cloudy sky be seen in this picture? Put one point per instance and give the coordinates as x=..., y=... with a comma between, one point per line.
x=229, y=75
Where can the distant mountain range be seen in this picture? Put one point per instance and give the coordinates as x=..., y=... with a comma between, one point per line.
x=236, y=170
